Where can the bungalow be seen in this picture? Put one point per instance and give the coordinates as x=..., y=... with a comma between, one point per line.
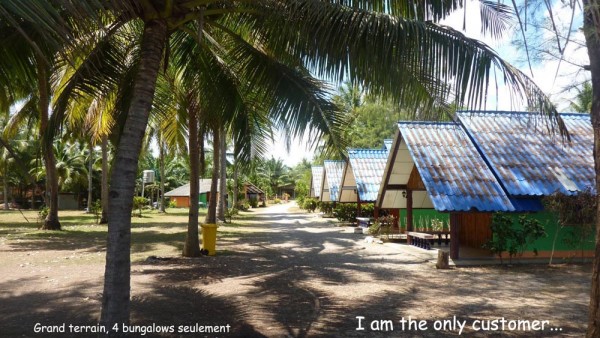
x=253, y=192
x=461, y=172
x=363, y=174
x=316, y=181
x=332, y=179
x=181, y=196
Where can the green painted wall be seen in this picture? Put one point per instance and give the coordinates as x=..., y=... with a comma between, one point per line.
x=424, y=216
x=566, y=238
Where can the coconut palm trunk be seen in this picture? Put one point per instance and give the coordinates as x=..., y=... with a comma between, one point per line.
x=161, y=160
x=90, y=183
x=211, y=215
x=104, y=183
x=223, y=176
x=5, y=184
x=236, y=189
x=591, y=28
x=191, y=248
x=116, y=295
x=51, y=222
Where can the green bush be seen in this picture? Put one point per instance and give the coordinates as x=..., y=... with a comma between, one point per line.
x=230, y=213
x=345, y=212
x=243, y=204
x=43, y=213
x=309, y=204
x=138, y=203
x=172, y=204
x=96, y=209
x=513, y=238
x=326, y=207
x=367, y=210
x=254, y=202
x=276, y=201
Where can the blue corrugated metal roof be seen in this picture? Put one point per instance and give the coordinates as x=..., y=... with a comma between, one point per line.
x=387, y=144
x=317, y=179
x=455, y=175
x=334, y=171
x=527, y=158
x=368, y=166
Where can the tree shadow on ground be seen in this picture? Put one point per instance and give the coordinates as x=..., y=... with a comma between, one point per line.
x=21, y=312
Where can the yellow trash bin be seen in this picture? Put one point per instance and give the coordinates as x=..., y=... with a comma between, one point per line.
x=209, y=238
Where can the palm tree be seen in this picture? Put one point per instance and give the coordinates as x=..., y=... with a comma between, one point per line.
x=405, y=55
x=583, y=100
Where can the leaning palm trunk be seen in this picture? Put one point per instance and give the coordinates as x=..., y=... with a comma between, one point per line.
x=116, y=295
x=104, y=184
x=591, y=28
x=51, y=222
x=211, y=216
x=191, y=248
x=223, y=177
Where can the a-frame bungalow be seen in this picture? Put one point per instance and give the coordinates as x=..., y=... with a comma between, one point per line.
x=484, y=163
x=316, y=180
x=332, y=179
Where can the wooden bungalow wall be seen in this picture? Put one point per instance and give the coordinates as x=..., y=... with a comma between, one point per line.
x=474, y=229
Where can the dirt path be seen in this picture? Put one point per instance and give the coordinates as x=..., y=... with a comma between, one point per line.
x=289, y=274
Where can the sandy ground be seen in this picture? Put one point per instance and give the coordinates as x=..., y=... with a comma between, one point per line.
x=282, y=273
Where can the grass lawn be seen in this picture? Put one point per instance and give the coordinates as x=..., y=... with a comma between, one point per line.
x=153, y=234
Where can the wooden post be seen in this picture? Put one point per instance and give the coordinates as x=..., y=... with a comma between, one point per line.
x=376, y=213
x=454, y=236
x=442, y=260
x=409, y=214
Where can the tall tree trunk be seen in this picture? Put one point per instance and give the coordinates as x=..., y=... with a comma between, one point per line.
x=90, y=183
x=236, y=189
x=191, y=248
x=116, y=295
x=223, y=176
x=104, y=184
x=5, y=183
x=51, y=222
x=211, y=215
x=591, y=28
x=161, y=160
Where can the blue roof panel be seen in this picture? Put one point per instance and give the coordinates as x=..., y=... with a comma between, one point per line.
x=368, y=166
x=455, y=175
x=334, y=171
x=527, y=157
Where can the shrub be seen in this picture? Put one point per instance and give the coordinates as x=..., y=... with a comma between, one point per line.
x=513, y=238
x=96, y=209
x=326, y=207
x=43, y=213
x=138, y=203
x=345, y=212
x=243, y=205
x=253, y=202
x=300, y=201
x=367, y=210
x=276, y=201
x=309, y=204
x=172, y=204
x=230, y=213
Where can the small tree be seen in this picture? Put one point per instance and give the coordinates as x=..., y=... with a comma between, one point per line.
x=577, y=212
x=514, y=238
x=138, y=203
